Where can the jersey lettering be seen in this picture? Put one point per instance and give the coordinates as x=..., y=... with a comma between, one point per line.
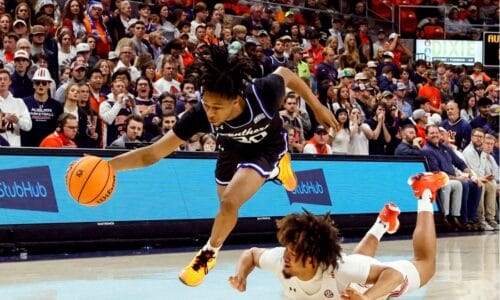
x=248, y=135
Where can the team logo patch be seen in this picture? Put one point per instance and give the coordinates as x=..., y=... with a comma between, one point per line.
x=328, y=294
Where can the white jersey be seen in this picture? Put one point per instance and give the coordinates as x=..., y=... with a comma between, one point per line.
x=352, y=271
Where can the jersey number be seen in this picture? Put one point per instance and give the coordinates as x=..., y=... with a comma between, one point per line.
x=256, y=138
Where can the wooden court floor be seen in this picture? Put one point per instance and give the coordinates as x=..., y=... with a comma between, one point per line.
x=468, y=267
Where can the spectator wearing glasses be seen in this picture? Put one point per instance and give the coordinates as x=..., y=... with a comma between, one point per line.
x=64, y=134
x=477, y=160
x=43, y=109
x=126, y=58
x=15, y=113
x=147, y=108
x=167, y=103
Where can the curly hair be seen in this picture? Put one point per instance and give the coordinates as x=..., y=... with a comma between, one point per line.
x=311, y=236
x=224, y=74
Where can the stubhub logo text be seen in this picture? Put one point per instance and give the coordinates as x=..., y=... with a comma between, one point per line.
x=311, y=188
x=28, y=189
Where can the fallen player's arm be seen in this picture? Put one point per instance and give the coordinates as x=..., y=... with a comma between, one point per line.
x=249, y=259
x=384, y=280
x=149, y=155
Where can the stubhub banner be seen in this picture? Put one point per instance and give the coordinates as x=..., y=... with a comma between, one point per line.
x=184, y=188
x=311, y=189
x=27, y=188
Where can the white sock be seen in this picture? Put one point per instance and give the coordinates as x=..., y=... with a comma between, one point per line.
x=424, y=203
x=208, y=246
x=378, y=229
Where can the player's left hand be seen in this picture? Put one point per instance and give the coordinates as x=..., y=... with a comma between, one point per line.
x=326, y=118
x=238, y=282
x=352, y=294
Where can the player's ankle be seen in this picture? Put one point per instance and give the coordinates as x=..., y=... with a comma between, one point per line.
x=208, y=246
x=425, y=203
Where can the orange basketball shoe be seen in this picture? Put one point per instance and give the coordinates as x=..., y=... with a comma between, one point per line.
x=429, y=180
x=389, y=215
x=194, y=273
x=286, y=175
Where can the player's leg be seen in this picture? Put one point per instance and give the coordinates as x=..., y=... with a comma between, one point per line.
x=425, y=187
x=387, y=221
x=244, y=184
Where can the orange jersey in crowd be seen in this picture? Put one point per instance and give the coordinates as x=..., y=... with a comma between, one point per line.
x=102, y=45
x=433, y=94
x=57, y=140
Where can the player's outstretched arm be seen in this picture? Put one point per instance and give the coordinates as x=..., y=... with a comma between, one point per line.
x=324, y=116
x=149, y=155
x=249, y=259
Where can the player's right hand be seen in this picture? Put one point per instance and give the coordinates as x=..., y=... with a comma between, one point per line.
x=326, y=118
x=352, y=294
x=238, y=282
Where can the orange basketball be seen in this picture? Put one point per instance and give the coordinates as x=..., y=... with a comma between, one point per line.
x=90, y=180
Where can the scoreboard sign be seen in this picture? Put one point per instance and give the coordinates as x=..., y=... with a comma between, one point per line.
x=453, y=52
x=491, y=46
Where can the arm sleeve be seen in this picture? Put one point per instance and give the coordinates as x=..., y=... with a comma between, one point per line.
x=108, y=113
x=271, y=91
x=407, y=150
x=193, y=121
x=431, y=160
x=272, y=260
x=309, y=149
x=457, y=161
x=24, y=116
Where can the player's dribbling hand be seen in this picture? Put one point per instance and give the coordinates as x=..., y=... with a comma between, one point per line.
x=326, y=118
x=352, y=294
x=238, y=283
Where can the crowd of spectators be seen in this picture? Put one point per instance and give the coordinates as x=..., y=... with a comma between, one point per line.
x=104, y=75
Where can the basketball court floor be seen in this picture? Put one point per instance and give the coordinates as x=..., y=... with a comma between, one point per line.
x=468, y=267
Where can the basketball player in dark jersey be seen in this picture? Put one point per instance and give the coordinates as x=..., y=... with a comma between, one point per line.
x=251, y=141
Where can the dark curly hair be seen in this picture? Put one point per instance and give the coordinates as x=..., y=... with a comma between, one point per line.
x=224, y=74
x=311, y=236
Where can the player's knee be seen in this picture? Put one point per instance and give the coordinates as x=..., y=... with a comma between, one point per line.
x=229, y=205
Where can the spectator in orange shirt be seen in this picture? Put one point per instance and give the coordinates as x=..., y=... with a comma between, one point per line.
x=479, y=76
x=316, y=49
x=64, y=134
x=431, y=92
x=94, y=26
x=398, y=49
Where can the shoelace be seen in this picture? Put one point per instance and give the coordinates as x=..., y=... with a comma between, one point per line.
x=202, y=260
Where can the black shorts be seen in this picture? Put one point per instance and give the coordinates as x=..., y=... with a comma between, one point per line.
x=263, y=158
